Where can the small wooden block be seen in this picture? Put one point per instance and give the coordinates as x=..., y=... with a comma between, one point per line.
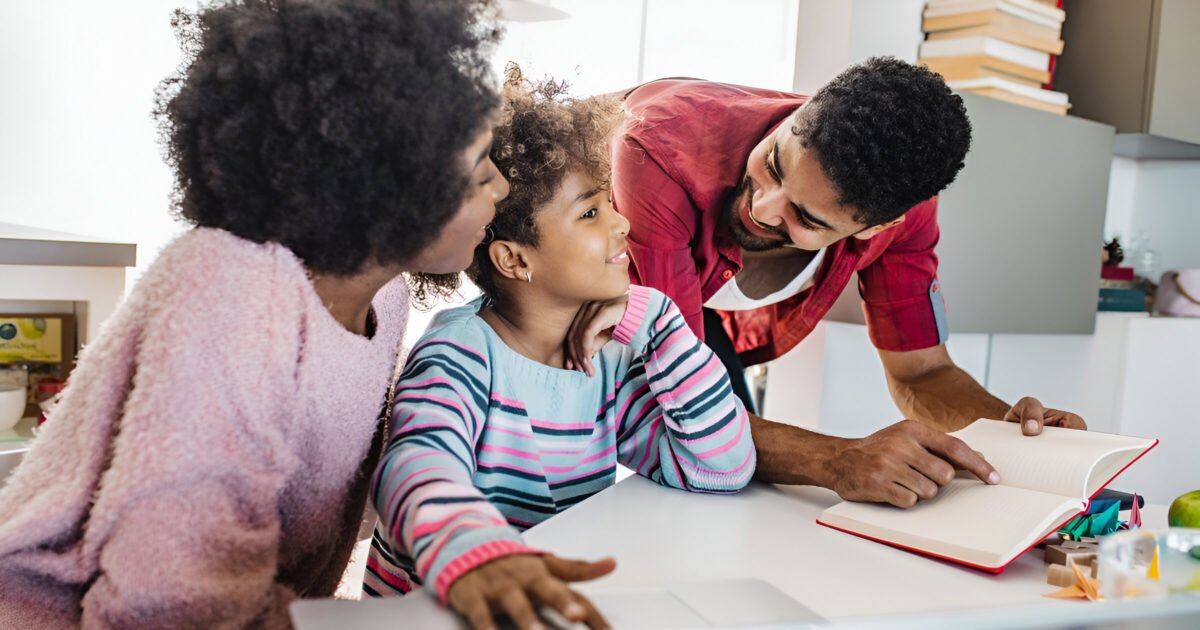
x=1063, y=575
x=1090, y=564
x=1060, y=575
x=1058, y=554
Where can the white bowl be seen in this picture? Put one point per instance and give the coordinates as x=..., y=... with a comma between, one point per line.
x=12, y=406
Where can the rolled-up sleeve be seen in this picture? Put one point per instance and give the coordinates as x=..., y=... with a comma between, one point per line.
x=662, y=222
x=902, y=299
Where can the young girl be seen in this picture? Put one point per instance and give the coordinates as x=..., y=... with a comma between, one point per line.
x=514, y=408
x=209, y=462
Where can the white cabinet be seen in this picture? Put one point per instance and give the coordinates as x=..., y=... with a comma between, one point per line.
x=53, y=272
x=1132, y=64
x=45, y=270
x=1159, y=396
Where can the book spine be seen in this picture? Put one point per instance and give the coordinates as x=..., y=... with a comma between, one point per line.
x=1113, y=272
x=991, y=46
x=1122, y=300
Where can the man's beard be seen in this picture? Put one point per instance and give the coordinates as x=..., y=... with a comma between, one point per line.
x=743, y=237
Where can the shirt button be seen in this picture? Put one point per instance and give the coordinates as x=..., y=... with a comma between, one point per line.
x=727, y=274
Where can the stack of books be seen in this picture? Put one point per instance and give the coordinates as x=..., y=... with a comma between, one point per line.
x=999, y=48
x=1120, y=290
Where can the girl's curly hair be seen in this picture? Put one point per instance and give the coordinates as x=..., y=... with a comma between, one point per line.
x=543, y=135
x=334, y=128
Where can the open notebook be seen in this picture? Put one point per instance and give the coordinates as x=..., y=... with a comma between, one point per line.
x=1045, y=481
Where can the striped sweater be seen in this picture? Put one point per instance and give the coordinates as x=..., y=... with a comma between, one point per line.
x=486, y=442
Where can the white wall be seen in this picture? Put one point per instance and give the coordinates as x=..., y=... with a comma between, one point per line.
x=1122, y=198
x=822, y=43
x=1160, y=198
x=886, y=27
x=748, y=43
x=602, y=37
x=79, y=150
x=616, y=44
x=1168, y=210
x=834, y=34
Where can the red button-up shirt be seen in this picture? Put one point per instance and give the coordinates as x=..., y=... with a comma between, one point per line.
x=676, y=164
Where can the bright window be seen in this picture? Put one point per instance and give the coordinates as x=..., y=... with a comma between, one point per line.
x=614, y=44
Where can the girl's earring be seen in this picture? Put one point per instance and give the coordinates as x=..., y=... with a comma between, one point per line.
x=488, y=235
x=529, y=277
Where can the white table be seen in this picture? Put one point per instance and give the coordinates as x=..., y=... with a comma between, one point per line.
x=770, y=532
x=661, y=537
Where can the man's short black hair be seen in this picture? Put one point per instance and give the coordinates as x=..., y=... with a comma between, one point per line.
x=888, y=135
x=336, y=128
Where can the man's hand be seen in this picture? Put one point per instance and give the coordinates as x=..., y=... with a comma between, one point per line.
x=1032, y=416
x=902, y=464
x=592, y=328
x=513, y=585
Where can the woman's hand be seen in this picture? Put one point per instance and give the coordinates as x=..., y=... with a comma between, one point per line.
x=592, y=328
x=516, y=585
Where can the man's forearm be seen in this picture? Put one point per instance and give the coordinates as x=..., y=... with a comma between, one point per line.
x=790, y=455
x=946, y=399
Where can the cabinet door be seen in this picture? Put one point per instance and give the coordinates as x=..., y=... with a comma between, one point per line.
x=1023, y=222
x=1021, y=225
x=1158, y=399
x=1175, y=97
x=1105, y=66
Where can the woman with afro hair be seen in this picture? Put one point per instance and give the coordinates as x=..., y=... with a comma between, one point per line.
x=209, y=461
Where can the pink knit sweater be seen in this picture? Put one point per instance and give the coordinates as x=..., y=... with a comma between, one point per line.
x=204, y=467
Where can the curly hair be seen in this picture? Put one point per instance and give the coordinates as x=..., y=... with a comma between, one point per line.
x=334, y=128
x=888, y=135
x=543, y=135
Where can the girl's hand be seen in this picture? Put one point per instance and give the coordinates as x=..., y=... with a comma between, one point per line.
x=514, y=585
x=592, y=328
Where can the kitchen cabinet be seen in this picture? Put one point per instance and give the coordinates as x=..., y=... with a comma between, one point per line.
x=1135, y=64
x=1022, y=224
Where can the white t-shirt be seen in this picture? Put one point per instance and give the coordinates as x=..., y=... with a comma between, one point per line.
x=730, y=297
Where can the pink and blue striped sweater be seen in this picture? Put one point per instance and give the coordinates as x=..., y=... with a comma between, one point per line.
x=486, y=442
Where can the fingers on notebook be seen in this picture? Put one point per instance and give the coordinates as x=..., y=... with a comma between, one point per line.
x=958, y=454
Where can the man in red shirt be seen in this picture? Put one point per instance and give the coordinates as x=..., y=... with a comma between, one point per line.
x=751, y=209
